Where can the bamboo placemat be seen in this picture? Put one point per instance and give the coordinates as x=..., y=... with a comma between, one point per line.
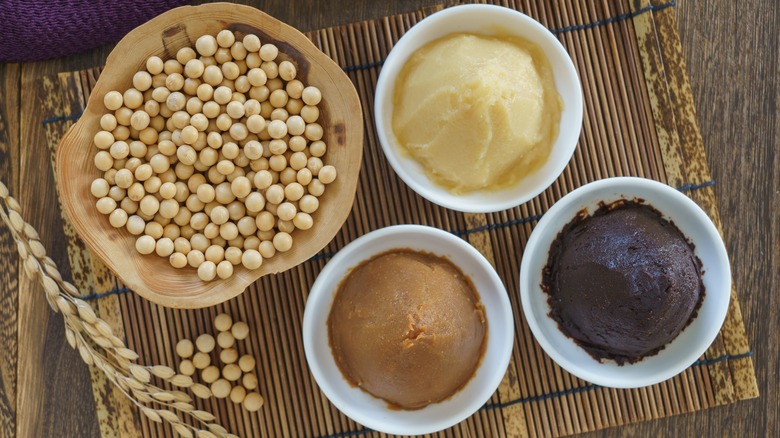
x=639, y=120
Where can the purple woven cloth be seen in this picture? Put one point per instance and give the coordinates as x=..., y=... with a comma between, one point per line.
x=33, y=30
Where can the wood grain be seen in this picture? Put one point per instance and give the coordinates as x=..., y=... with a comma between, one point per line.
x=55, y=397
x=9, y=275
x=115, y=415
x=41, y=352
x=731, y=49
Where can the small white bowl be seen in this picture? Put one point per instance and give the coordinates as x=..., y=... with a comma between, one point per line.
x=689, y=345
x=369, y=410
x=485, y=20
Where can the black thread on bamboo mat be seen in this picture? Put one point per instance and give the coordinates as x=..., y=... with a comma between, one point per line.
x=349, y=68
x=597, y=23
x=542, y=397
x=73, y=116
x=321, y=256
x=460, y=233
x=692, y=187
x=114, y=291
x=722, y=358
x=558, y=31
x=349, y=433
x=490, y=227
x=614, y=19
x=374, y=64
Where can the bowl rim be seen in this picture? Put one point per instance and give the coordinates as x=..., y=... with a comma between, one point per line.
x=536, y=253
x=322, y=295
x=510, y=196
x=218, y=290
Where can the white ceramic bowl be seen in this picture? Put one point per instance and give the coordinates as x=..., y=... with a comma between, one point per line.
x=485, y=20
x=689, y=345
x=373, y=412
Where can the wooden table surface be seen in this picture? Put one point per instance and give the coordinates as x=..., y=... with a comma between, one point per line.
x=732, y=51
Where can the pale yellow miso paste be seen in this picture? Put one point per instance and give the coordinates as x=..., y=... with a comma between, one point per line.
x=478, y=112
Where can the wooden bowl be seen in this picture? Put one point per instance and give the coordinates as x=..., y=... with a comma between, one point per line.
x=152, y=276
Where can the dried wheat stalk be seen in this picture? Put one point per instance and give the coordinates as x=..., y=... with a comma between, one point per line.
x=97, y=344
